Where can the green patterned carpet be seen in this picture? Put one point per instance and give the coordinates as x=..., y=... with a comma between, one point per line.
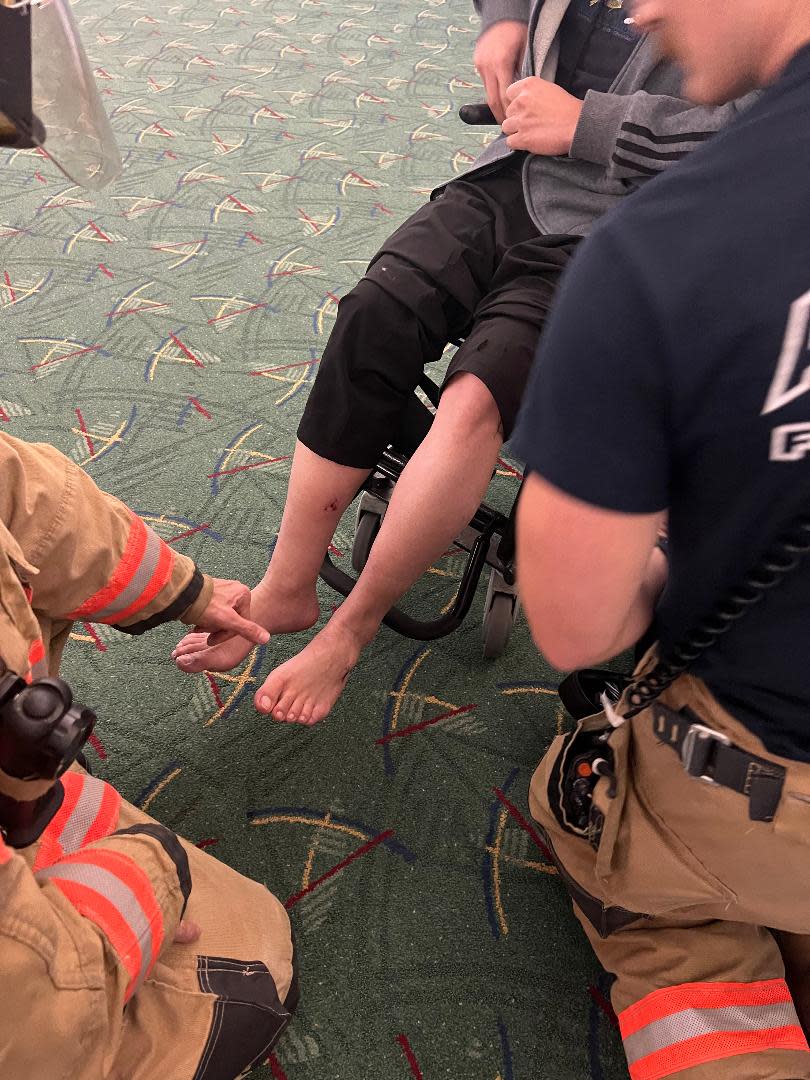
x=165, y=336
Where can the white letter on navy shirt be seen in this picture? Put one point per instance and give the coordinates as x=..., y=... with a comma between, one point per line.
x=795, y=352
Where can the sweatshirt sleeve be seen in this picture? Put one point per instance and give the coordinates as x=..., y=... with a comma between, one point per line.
x=95, y=558
x=495, y=11
x=636, y=136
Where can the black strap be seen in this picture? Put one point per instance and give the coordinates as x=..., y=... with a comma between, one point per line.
x=710, y=756
x=173, y=848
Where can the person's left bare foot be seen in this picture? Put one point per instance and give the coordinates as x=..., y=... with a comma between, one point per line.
x=304, y=689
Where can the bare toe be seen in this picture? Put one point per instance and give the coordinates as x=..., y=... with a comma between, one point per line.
x=268, y=696
x=190, y=643
x=286, y=705
x=191, y=648
x=305, y=716
x=193, y=663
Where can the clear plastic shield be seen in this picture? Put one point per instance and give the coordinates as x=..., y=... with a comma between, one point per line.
x=72, y=125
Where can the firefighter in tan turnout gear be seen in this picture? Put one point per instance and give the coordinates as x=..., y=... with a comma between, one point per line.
x=123, y=949
x=673, y=384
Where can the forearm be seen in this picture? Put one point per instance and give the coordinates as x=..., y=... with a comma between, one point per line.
x=87, y=555
x=636, y=136
x=639, y=615
x=135, y=594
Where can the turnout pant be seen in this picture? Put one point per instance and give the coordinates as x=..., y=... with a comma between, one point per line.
x=470, y=263
x=108, y=995
x=678, y=892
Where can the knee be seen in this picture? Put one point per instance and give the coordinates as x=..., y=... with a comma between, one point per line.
x=467, y=404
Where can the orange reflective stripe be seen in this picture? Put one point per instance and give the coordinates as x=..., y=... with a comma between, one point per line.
x=714, y=1047
x=50, y=849
x=113, y=891
x=673, y=999
x=36, y=654
x=106, y=820
x=684, y=1026
x=107, y=916
x=37, y=662
x=123, y=573
x=89, y=812
x=162, y=574
x=131, y=874
x=6, y=854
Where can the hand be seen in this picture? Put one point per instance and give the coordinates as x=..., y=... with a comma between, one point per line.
x=187, y=932
x=228, y=614
x=541, y=117
x=498, y=54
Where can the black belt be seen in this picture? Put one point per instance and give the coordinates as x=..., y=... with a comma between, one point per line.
x=712, y=757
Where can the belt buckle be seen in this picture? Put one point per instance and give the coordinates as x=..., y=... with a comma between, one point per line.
x=696, y=749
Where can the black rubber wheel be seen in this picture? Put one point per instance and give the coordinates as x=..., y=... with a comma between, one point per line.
x=499, y=619
x=368, y=525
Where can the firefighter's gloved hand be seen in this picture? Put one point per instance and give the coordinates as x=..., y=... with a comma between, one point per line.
x=228, y=614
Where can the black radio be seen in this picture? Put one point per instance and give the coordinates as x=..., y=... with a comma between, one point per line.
x=42, y=732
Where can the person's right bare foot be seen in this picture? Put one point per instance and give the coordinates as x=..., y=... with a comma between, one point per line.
x=278, y=611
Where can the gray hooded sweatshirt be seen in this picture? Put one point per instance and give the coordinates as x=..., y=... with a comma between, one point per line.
x=625, y=136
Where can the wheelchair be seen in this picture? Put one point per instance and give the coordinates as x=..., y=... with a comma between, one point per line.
x=489, y=539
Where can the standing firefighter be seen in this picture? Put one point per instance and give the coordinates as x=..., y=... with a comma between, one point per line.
x=124, y=951
x=674, y=378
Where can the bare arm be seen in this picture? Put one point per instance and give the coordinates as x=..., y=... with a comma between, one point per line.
x=589, y=577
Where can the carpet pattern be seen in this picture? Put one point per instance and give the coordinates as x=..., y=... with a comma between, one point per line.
x=165, y=334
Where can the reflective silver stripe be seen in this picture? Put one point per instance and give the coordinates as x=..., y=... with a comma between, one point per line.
x=689, y=1023
x=112, y=888
x=83, y=815
x=140, y=579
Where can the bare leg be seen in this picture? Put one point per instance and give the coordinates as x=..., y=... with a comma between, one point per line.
x=435, y=498
x=285, y=599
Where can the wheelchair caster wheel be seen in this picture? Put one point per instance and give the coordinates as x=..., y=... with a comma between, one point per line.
x=365, y=533
x=500, y=613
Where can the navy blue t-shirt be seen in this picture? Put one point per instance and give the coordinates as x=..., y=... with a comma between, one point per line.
x=595, y=44
x=675, y=374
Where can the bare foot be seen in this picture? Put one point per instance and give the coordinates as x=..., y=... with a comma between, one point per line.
x=277, y=611
x=304, y=689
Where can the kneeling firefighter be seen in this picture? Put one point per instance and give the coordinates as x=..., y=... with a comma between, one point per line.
x=673, y=386
x=125, y=952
